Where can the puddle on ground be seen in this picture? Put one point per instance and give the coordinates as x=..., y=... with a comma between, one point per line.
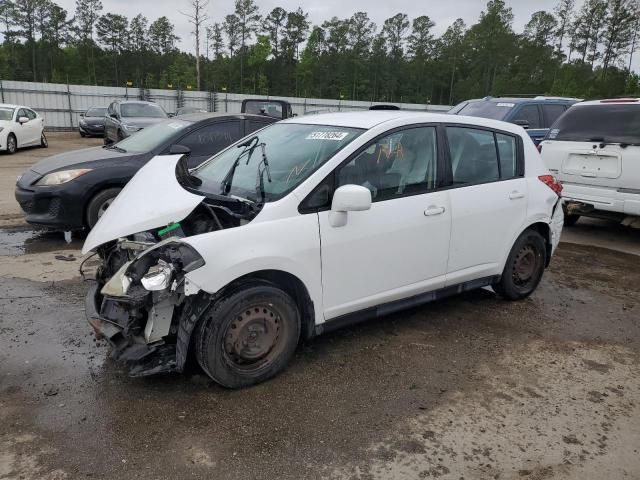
x=22, y=242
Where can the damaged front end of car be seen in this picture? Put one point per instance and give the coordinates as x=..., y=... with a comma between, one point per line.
x=142, y=302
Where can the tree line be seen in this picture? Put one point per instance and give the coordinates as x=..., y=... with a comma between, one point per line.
x=585, y=52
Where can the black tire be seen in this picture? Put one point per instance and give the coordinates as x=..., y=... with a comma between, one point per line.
x=524, y=268
x=120, y=136
x=107, y=141
x=44, y=143
x=570, y=220
x=248, y=336
x=12, y=144
x=98, y=204
x=82, y=134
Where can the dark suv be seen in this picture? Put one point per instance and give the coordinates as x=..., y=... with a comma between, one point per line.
x=126, y=117
x=535, y=114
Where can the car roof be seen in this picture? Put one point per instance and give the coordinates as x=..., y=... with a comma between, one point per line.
x=536, y=99
x=199, y=116
x=9, y=105
x=136, y=101
x=371, y=118
x=611, y=101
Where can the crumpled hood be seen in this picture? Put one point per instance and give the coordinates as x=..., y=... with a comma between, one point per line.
x=153, y=198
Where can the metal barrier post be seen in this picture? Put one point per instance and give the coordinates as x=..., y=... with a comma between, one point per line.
x=1, y=91
x=70, y=109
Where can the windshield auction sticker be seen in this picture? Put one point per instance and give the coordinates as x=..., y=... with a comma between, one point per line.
x=337, y=136
x=505, y=105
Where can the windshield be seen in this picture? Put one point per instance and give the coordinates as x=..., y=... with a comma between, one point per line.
x=293, y=151
x=152, y=137
x=6, y=113
x=602, y=123
x=494, y=110
x=142, y=110
x=96, y=112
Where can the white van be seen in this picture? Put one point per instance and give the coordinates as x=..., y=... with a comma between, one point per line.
x=594, y=150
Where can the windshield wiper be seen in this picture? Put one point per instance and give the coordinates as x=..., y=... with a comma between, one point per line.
x=262, y=167
x=249, y=146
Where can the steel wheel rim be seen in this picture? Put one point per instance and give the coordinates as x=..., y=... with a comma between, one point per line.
x=254, y=336
x=43, y=139
x=11, y=144
x=525, y=265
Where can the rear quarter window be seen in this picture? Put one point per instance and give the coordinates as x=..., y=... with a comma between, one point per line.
x=598, y=123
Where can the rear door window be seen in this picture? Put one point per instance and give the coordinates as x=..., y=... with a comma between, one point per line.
x=551, y=113
x=530, y=114
x=599, y=123
x=473, y=154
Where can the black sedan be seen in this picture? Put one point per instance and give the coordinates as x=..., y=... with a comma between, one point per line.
x=92, y=122
x=70, y=191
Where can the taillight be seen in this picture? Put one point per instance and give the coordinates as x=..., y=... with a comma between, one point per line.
x=551, y=182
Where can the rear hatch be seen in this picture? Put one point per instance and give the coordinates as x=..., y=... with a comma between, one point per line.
x=596, y=144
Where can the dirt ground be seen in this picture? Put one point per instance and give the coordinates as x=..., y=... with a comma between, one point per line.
x=467, y=388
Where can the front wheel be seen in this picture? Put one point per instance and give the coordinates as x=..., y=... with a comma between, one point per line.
x=99, y=204
x=524, y=268
x=44, y=143
x=248, y=336
x=12, y=144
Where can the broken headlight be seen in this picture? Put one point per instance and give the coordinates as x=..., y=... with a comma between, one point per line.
x=156, y=268
x=158, y=277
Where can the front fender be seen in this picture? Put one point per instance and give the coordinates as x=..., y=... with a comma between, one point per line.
x=290, y=245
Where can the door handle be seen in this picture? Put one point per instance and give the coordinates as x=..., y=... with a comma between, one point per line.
x=515, y=195
x=433, y=210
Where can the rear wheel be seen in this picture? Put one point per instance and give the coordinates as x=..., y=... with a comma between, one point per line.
x=99, y=204
x=248, y=336
x=44, y=143
x=12, y=144
x=524, y=268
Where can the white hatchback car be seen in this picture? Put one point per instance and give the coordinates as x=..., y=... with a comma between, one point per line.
x=20, y=127
x=310, y=224
x=594, y=150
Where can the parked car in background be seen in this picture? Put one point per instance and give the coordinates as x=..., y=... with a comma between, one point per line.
x=594, y=149
x=535, y=114
x=309, y=225
x=126, y=117
x=92, y=122
x=20, y=127
x=72, y=190
x=279, y=109
x=186, y=110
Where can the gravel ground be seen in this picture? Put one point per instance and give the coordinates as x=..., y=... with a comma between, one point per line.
x=471, y=387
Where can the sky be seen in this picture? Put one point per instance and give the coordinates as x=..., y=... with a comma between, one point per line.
x=442, y=12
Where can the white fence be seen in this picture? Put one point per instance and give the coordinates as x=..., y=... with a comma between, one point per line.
x=62, y=104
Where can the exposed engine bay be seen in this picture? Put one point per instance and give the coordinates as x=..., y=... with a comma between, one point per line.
x=142, y=302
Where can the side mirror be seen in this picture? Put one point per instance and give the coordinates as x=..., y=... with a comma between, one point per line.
x=348, y=198
x=177, y=149
x=22, y=120
x=171, y=114
x=523, y=123
x=82, y=115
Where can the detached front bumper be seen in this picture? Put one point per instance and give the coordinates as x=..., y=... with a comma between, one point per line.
x=113, y=320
